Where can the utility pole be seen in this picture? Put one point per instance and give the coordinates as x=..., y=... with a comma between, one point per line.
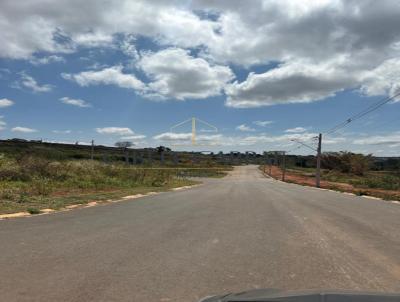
x=318, y=173
x=92, y=150
x=283, y=166
x=318, y=170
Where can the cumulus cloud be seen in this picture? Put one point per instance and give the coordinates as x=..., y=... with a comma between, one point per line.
x=383, y=80
x=245, y=128
x=174, y=73
x=23, y=129
x=319, y=47
x=6, y=103
x=75, y=102
x=115, y=131
x=296, y=130
x=296, y=82
x=41, y=26
x=108, y=76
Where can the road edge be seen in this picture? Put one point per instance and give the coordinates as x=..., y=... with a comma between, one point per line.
x=92, y=203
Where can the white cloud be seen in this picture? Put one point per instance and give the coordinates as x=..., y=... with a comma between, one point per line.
x=6, y=103
x=41, y=25
x=333, y=140
x=26, y=81
x=296, y=35
x=108, y=76
x=295, y=82
x=46, y=60
x=383, y=80
x=296, y=130
x=115, y=131
x=174, y=73
x=185, y=138
x=62, y=131
x=134, y=137
x=391, y=139
x=127, y=46
x=285, y=138
x=262, y=123
x=23, y=129
x=173, y=136
x=75, y=102
x=245, y=128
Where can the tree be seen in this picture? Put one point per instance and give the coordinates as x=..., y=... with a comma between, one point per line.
x=123, y=145
x=360, y=163
x=347, y=162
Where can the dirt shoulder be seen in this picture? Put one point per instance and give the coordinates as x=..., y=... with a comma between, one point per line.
x=305, y=180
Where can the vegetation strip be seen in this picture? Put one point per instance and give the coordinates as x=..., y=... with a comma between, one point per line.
x=347, y=185
x=35, y=181
x=87, y=205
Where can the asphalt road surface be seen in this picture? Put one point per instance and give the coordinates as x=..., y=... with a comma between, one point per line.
x=240, y=232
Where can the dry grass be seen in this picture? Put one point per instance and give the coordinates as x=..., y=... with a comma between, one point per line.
x=34, y=183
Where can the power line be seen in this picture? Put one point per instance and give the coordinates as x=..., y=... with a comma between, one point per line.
x=298, y=147
x=362, y=113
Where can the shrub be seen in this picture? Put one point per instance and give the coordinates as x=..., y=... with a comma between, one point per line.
x=347, y=162
x=33, y=211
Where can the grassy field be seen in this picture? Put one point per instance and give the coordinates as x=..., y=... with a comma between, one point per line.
x=385, y=180
x=31, y=183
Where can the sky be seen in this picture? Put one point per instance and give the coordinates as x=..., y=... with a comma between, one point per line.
x=263, y=73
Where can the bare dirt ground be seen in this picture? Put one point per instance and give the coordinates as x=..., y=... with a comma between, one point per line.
x=305, y=180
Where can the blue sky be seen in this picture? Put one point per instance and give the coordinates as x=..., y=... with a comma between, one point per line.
x=262, y=76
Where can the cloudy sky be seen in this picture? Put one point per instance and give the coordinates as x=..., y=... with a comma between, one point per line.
x=262, y=72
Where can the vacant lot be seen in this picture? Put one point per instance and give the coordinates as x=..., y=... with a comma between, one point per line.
x=32, y=183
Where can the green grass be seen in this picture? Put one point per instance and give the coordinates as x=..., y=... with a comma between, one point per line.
x=74, y=198
x=31, y=182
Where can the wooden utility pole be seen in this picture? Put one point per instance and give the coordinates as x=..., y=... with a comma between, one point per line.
x=318, y=172
x=283, y=166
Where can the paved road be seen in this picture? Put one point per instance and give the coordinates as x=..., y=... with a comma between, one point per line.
x=231, y=234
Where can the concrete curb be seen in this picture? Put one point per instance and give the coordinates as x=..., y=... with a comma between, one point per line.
x=91, y=204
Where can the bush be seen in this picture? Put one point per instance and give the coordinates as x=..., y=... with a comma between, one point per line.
x=33, y=211
x=347, y=162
